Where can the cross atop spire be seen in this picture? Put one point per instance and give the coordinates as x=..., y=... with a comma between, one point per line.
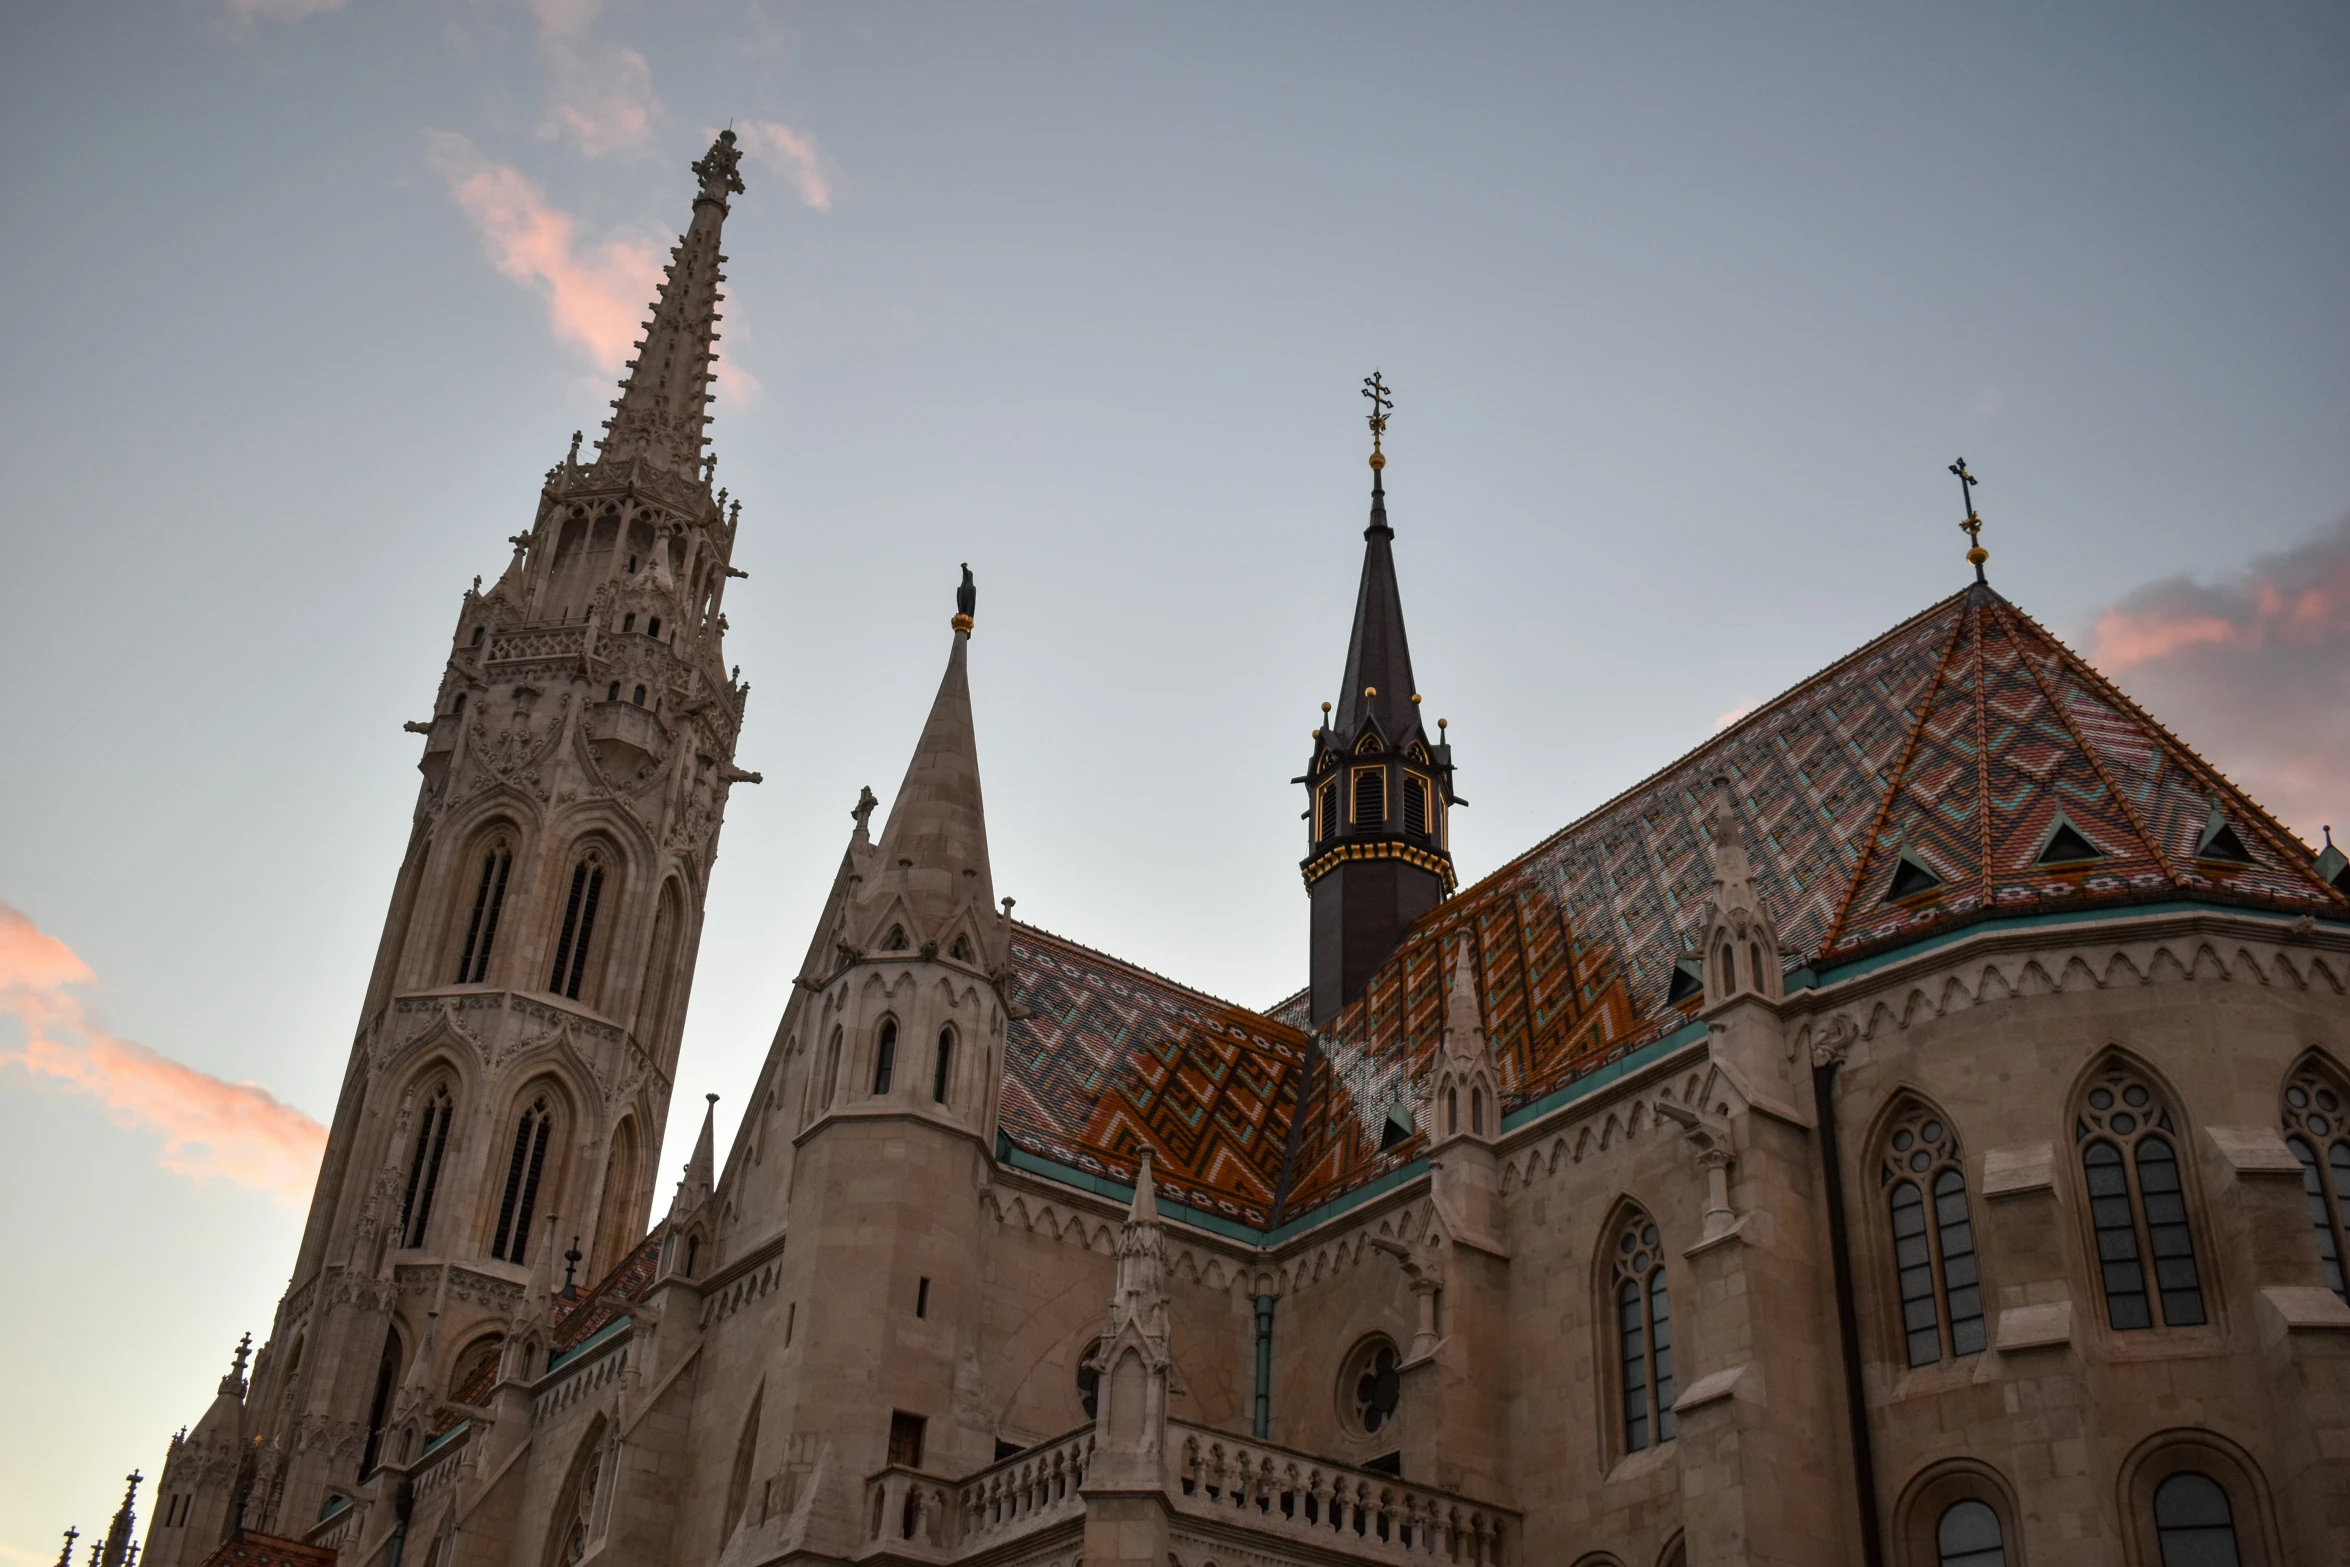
x=664, y=399
x=1382, y=404
x=1973, y=526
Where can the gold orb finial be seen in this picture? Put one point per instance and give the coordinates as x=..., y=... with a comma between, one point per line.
x=1370, y=690
x=962, y=623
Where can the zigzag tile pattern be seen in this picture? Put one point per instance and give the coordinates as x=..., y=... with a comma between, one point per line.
x=1958, y=738
x=1112, y=1057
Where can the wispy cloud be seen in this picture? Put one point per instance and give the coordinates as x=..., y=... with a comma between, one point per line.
x=599, y=94
x=596, y=293
x=249, y=11
x=790, y=153
x=2253, y=670
x=1732, y=716
x=210, y=1129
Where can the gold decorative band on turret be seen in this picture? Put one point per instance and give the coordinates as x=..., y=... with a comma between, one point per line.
x=1330, y=860
x=962, y=623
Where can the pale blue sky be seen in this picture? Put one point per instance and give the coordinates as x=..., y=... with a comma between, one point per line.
x=1687, y=309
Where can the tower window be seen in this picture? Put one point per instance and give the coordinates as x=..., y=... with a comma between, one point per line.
x=639, y=697
x=1326, y=811
x=628, y=621
x=1370, y=796
x=524, y=1166
x=944, y=1070
x=2137, y=1204
x=424, y=1168
x=1415, y=804
x=579, y=927
x=885, y=1056
x=457, y=708
x=612, y=692
x=473, y=962
x=2193, y=1523
x=922, y=1298
x=905, y=1439
x=653, y=627
x=1644, y=1335
x=478, y=633
x=1934, y=1259
x=2315, y=1131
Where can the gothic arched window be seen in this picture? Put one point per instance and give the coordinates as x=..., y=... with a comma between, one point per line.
x=1415, y=804
x=525, y=1167
x=831, y=1067
x=1923, y=1180
x=1643, y=1330
x=1370, y=787
x=2137, y=1203
x=2316, y=1132
x=579, y=926
x=424, y=1166
x=639, y=696
x=489, y=898
x=885, y=1055
x=943, y=1073
x=2193, y=1522
x=1968, y=1535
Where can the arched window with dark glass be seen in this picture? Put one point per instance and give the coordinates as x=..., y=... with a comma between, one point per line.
x=2137, y=1204
x=1968, y=1535
x=489, y=900
x=387, y=1377
x=942, y=1074
x=2194, y=1523
x=2320, y=1139
x=578, y=930
x=424, y=1166
x=1643, y=1332
x=526, y=1164
x=1922, y=1176
x=885, y=1055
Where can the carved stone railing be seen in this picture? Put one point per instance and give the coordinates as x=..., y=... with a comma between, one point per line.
x=915, y=1515
x=539, y=644
x=338, y=1528
x=1030, y=1490
x=1312, y=1501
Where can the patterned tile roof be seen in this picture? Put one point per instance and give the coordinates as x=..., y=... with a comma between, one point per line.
x=1110, y=1056
x=1958, y=743
x=1958, y=738
x=613, y=1294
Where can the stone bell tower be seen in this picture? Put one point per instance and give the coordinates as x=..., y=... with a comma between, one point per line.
x=1378, y=788
x=512, y=1070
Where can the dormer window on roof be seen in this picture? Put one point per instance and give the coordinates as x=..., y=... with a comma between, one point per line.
x=2066, y=845
x=2219, y=841
x=1912, y=878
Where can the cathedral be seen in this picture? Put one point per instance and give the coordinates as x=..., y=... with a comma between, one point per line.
x=1910, y=1130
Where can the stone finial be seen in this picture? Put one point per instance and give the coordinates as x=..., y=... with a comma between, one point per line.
x=1740, y=943
x=1463, y=1097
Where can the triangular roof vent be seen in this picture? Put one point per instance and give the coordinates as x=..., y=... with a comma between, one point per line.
x=1398, y=1126
x=2066, y=845
x=2333, y=866
x=1911, y=877
x=1688, y=980
x=2218, y=840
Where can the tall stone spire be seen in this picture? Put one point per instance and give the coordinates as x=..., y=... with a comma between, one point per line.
x=931, y=884
x=1378, y=787
x=665, y=396
x=118, y=1534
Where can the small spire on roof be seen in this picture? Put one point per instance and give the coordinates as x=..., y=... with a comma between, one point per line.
x=1973, y=526
x=65, y=1557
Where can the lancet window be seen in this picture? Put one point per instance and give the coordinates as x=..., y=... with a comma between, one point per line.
x=424, y=1166
x=1415, y=804
x=885, y=1055
x=526, y=1166
x=2317, y=1133
x=489, y=900
x=1643, y=1331
x=579, y=926
x=2137, y=1204
x=942, y=1074
x=1923, y=1179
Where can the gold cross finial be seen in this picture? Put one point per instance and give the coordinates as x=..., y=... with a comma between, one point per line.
x=1375, y=389
x=1973, y=526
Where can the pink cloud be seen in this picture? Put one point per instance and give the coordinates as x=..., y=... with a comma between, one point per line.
x=210, y=1129
x=791, y=154
x=597, y=295
x=599, y=94
x=2254, y=671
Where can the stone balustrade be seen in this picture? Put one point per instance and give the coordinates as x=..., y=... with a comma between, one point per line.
x=1312, y=1501
x=1030, y=1490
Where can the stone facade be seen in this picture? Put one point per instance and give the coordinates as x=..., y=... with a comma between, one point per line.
x=1874, y=1222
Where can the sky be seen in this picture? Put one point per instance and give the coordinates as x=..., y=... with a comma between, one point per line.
x=1687, y=311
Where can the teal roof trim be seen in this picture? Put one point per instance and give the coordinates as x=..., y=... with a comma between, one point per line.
x=445, y=1438
x=608, y=1330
